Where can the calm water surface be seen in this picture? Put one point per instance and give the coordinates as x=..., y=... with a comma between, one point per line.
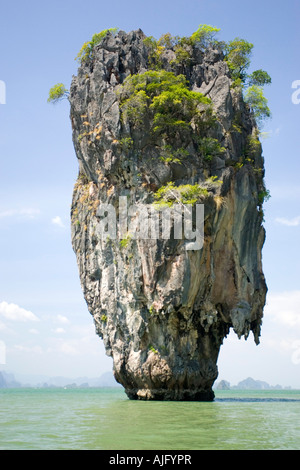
x=106, y=419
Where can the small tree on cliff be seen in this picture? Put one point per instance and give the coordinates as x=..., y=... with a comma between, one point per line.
x=204, y=36
x=258, y=104
x=57, y=93
x=237, y=56
x=260, y=78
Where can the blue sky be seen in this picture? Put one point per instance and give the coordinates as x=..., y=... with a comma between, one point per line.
x=44, y=323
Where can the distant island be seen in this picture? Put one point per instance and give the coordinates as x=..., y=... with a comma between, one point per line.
x=249, y=384
x=8, y=380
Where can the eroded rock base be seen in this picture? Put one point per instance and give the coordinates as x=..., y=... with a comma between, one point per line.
x=170, y=395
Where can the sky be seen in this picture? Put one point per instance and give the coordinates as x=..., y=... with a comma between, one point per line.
x=45, y=327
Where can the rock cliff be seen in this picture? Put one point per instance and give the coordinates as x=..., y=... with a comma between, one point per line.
x=162, y=306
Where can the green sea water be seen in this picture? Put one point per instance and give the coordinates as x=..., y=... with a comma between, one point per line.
x=67, y=419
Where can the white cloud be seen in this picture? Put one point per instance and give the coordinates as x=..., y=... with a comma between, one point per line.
x=27, y=213
x=62, y=319
x=294, y=222
x=33, y=331
x=7, y=214
x=285, y=192
x=59, y=330
x=28, y=349
x=69, y=349
x=15, y=313
x=284, y=308
x=58, y=221
x=281, y=345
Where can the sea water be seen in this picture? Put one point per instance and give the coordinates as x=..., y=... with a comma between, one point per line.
x=104, y=418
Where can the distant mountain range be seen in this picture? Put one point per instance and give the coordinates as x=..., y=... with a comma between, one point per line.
x=248, y=384
x=8, y=380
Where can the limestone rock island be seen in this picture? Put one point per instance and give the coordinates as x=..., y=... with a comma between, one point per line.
x=159, y=124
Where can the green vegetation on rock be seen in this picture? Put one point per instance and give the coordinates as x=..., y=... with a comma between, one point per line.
x=204, y=36
x=57, y=93
x=260, y=78
x=258, y=103
x=209, y=147
x=237, y=54
x=166, y=98
x=167, y=95
x=170, y=194
x=87, y=48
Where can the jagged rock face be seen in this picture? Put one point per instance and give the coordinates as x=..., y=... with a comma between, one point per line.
x=163, y=310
